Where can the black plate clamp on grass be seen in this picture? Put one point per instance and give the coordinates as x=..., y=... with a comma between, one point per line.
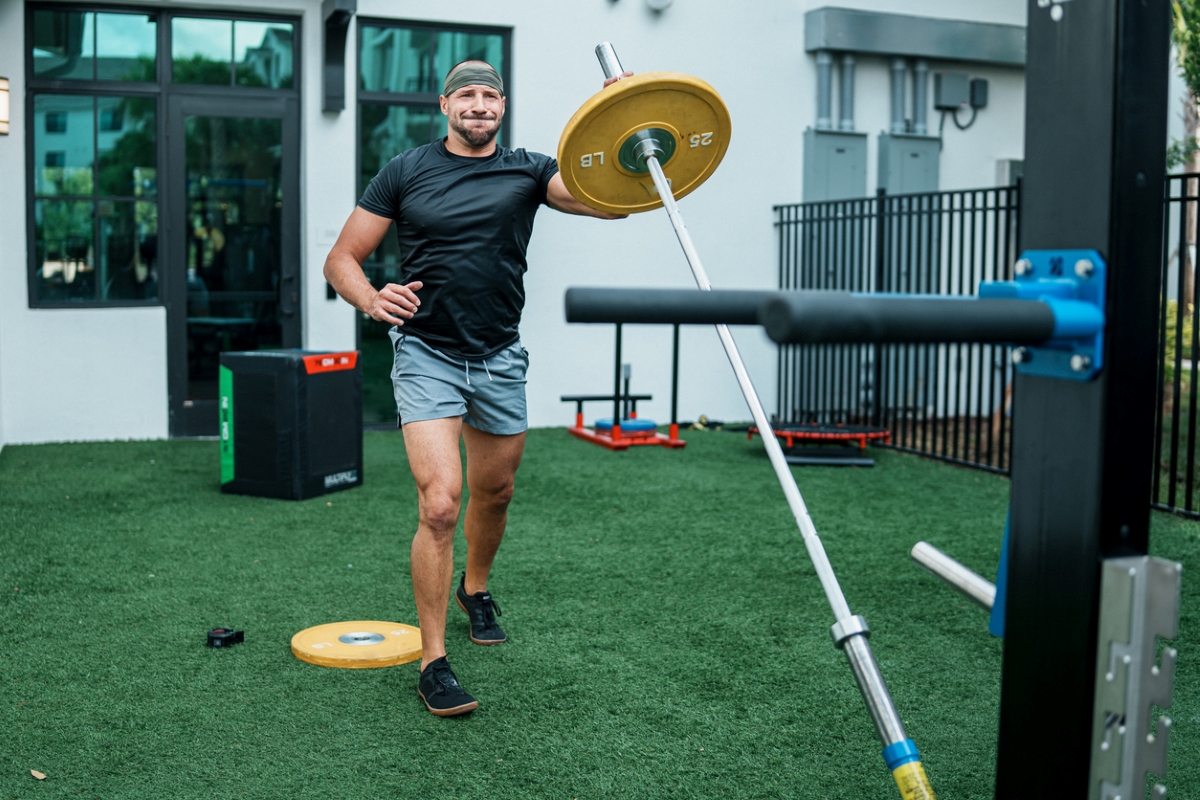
x=225, y=637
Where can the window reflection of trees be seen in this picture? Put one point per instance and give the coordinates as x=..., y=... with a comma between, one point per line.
x=103, y=243
x=261, y=52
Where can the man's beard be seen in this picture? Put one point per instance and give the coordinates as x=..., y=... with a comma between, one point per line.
x=475, y=136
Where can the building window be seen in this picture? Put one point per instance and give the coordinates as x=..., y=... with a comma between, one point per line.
x=96, y=135
x=95, y=204
x=56, y=122
x=223, y=52
x=94, y=45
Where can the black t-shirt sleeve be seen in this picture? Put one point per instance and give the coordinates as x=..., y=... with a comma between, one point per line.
x=547, y=169
x=383, y=193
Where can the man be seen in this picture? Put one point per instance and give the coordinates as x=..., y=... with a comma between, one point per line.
x=464, y=211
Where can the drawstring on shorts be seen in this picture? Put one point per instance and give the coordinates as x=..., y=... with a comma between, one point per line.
x=467, y=368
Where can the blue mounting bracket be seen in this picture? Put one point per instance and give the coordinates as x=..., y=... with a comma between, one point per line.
x=1072, y=283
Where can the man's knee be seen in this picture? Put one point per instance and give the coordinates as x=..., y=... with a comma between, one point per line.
x=439, y=511
x=495, y=496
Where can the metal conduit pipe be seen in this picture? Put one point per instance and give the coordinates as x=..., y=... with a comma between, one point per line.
x=824, y=90
x=846, y=81
x=899, y=73
x=920, y=90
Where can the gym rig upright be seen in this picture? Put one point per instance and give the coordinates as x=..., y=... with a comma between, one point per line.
x=1085, y=604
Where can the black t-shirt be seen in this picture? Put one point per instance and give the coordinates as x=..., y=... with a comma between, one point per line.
x=463, y=225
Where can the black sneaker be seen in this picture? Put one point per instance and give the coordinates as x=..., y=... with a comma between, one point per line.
x=440, y=690
x=482, y=610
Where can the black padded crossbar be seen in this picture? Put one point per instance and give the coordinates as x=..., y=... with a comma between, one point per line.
x=684, y=306
x=844, y=318
x=817, y=317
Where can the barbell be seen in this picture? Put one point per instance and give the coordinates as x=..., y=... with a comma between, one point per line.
x=674, y=129
x=604, y=150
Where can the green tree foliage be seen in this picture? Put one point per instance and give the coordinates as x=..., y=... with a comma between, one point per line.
x=1180, y=152
x=1185, y=33
x=1175, y=341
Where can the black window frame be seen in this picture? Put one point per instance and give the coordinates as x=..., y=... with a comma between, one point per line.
x=161, y=89
x=420, y=99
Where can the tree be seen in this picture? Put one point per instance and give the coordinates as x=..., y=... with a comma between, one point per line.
x=1185, y=33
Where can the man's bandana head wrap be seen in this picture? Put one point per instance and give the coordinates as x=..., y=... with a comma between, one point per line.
x=472, y=73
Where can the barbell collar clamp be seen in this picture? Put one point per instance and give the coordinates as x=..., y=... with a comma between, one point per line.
x=845, y=628
x=641, y=145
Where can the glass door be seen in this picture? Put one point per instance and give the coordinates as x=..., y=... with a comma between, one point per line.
x=234, y=250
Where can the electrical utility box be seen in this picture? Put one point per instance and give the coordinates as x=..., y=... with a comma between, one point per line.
x=979, y=92
x=951, y=90
x=908, y=164
x=290, y=423
x=835, y=165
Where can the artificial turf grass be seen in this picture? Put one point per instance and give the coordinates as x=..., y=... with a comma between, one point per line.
x=667, y=634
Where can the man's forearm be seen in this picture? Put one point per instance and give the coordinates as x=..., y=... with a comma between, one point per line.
x=347, y=278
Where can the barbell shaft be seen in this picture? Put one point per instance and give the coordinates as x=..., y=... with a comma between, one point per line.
x=858, y=652
x=962, y=579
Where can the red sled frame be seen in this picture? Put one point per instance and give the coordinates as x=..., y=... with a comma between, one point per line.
x=617, y=439
x=827, y=433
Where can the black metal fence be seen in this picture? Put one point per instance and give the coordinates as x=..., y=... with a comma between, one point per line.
x=952, y=402
x=946, y=401
x=1175, y=479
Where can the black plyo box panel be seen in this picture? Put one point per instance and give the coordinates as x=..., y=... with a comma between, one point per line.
x=290, y=423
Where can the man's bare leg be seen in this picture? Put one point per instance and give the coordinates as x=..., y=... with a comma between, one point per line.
x=492, y=463
x=432, y=449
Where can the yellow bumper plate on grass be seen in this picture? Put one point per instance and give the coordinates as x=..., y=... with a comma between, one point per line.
x=674, y=105
x=358, y=645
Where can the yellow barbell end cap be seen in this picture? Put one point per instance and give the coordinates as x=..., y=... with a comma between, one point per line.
x=364, y=644
x=913, y=782
x=678, y=107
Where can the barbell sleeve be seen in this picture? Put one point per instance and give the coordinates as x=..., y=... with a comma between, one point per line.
x=608, y=60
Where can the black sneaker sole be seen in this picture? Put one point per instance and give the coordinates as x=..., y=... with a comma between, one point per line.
x=465, y=708
x=484, y=642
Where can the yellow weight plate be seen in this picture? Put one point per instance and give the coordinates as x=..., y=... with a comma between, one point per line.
x=674, y=102
x=358, y=645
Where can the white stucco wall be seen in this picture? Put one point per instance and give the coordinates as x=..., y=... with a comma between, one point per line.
x=102, y=373
x=65, y=374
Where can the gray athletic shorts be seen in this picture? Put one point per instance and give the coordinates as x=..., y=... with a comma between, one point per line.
x=488, y=394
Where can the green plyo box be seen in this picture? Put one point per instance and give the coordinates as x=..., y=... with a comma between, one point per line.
x=290, y=423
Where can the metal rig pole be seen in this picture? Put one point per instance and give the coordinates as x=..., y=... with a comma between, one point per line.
x=849, y=631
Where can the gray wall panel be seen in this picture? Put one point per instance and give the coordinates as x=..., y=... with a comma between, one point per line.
x=904, y=35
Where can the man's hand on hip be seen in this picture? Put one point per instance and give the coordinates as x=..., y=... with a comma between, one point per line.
x=395, y=303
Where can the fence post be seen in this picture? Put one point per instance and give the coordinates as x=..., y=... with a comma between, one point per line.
x=880, y=242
